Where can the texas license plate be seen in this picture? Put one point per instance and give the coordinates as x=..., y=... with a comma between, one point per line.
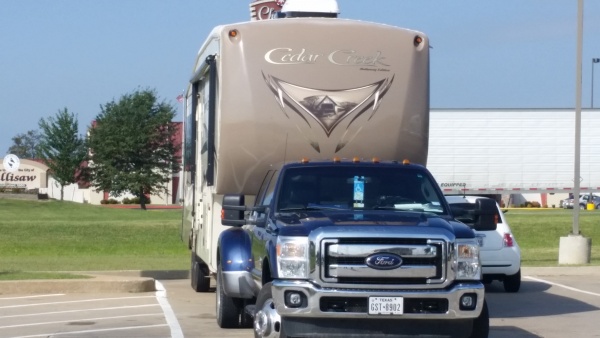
x=386, y=305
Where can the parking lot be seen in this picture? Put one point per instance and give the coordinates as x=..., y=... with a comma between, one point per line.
x=552, y=302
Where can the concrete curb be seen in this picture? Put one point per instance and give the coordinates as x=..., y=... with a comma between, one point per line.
x=134, y=281
x=588, y=270
x=99, y=282
x=95, y=284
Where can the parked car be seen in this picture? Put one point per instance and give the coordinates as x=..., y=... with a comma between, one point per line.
x=567, y=203
x=500, y=253
x=587, y=198
x=583, y=201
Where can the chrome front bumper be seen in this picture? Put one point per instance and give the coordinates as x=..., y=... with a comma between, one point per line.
x=314, y=295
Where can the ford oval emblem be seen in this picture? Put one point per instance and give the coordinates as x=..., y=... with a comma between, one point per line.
x=384, y=261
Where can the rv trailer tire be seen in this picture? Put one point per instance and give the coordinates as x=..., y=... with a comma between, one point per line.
x=200, y=279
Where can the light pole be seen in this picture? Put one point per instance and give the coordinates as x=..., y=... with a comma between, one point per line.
x=594, y=61
x=576, y=249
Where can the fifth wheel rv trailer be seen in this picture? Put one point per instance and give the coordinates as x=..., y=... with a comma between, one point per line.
x=287, y=203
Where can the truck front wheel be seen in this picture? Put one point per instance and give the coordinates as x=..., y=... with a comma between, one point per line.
x=267, y=322
x=481, y=324
x=228, y=310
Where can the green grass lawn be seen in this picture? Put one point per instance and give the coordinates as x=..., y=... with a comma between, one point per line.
x=64, y=236
x=53, y=236
x=538, y=233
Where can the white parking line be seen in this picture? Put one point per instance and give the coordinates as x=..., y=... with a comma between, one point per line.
x=91, y=331
x=73, y=301
x=80, y=320
x=79, y=310
x=161, y=297
x=36, y=296
x=563, y=286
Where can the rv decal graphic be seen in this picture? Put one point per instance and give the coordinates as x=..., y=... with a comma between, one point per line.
x=328, y=108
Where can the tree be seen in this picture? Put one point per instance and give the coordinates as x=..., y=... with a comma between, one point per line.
x=62, y=149
x=133, y=147
x=25, y=145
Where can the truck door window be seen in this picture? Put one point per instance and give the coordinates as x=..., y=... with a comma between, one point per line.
x=265, y=194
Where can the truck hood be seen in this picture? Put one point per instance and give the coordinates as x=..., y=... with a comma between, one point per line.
x=302, y=223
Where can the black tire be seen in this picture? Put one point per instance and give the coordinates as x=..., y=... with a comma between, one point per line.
x=200, y=279
x=481, y=324
x=265, y=296
x=228, y=308
x=247, y=320
x=512, y=283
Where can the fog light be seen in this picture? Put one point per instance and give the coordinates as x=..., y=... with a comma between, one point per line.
x=468, y=301
x=295, y=299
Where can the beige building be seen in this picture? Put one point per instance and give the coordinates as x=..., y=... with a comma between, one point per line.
x=33, y=175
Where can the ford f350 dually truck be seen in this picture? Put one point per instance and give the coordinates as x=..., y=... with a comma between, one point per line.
x=305, y=192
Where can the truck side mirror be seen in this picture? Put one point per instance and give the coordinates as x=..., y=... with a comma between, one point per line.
x=487, y=215
x=232, y=212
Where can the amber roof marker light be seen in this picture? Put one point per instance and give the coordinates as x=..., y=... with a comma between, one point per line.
x=418, y=40
x=234, y=35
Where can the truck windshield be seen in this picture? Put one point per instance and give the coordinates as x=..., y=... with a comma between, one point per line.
x=365, y=188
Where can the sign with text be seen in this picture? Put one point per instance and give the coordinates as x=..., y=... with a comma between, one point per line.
x=264, y=9
x=27, y=175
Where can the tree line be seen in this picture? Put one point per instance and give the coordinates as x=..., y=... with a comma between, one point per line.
x=129, y=148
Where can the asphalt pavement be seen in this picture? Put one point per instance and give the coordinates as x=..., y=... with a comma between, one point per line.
x=553, y=302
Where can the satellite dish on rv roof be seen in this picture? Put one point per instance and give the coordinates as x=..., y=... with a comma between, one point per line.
x=310, y=8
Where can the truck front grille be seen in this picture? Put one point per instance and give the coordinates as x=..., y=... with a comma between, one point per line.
x=345, y=261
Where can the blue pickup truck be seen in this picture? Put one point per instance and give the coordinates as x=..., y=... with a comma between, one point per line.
x=351, y=248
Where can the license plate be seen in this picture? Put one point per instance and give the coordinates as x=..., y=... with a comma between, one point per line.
x=480, y=240
x=386, y=305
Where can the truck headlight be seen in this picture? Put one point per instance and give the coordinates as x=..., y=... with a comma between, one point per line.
x=466, y=260
x=292, y=257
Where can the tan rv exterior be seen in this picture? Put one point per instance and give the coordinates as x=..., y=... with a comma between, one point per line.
x=296, y=88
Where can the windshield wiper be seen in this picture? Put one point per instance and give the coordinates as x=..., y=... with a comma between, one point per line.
x=313, y=207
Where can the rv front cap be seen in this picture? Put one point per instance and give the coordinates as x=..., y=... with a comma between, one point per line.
x=312, y=6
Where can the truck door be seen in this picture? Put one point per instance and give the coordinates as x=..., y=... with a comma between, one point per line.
x=259, y=232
